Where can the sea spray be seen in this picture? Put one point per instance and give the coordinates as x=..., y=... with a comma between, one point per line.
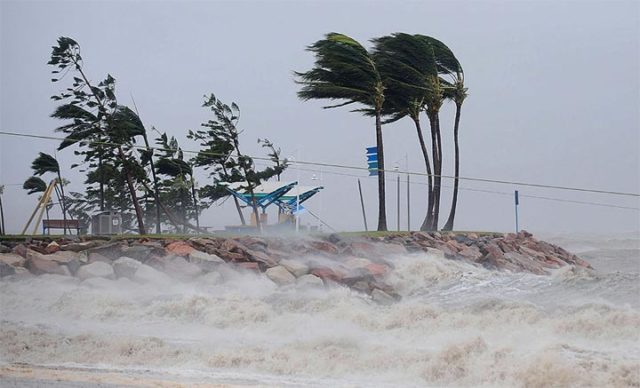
x=456, y=324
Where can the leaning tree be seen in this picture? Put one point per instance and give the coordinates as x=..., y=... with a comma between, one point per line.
x=345, y=71
x=95, y=120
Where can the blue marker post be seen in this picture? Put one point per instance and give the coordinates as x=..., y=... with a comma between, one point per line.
x=517, y=203
x=372, y=160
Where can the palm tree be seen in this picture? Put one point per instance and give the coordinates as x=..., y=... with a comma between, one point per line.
x=407, y=64
x=459, y=94
x=37, y=185
x=344, y=70
x=43, y=164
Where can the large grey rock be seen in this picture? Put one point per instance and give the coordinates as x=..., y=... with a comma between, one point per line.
x=280, y=275
x=63, y=257
x=95, y=257
x=206, y=261
x=182, y=269
x=39, y=266
x=295, y=267
x=97, y=269
x=357, y=262
x=126, y=267
x=12, y=259
x=147, y=274
x=436, y=252
x=310, y=281
x=4, y=249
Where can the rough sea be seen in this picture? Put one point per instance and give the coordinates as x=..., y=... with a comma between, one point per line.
x=456, y=325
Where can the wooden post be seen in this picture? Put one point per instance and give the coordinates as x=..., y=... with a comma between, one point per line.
x=408, y=206
x=364, y=215
x=398, y=197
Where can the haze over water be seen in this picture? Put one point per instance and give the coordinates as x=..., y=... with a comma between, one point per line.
x=457, y=324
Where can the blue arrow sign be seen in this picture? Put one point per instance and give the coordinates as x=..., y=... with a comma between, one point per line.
x=372, y=158
x=372, y=150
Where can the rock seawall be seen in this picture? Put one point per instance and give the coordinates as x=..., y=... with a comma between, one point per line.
x=358, y=262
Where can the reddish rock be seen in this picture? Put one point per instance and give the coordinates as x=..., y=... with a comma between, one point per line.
x=232, y=256
x=377, y=269
x=326, y=273
x=255, y=243
x=12, y=259
x=250, y=266
x=261, y=257
x=232, y=246
x=324, y=247
x=179, y=248
x=361, y=248
x=21, y=250
x=471, y=253
x=53, y=247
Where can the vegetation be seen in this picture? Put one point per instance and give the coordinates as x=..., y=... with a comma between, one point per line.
x=402, y=75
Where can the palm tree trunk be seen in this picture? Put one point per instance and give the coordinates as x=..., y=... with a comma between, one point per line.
x=2, y=230
x=101, y=183
x=63, y=204
x=425, y=154
x=454, y=203
x=132, y=191
x=155, y=182
x=382, y=211
x=438, y=178
x=123, y=158
x=436, y=157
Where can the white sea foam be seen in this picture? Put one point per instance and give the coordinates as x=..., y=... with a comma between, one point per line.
x=457, y=324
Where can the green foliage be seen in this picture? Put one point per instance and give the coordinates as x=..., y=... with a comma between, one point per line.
x=34, y=185
x=45, y=163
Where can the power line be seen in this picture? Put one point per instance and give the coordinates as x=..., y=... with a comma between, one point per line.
x=323, y=164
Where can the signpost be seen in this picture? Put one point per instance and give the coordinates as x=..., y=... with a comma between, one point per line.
x=372, y=160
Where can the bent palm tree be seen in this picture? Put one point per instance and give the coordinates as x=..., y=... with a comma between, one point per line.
x=459, y=93
x=407, y=64
x=43, y=164
x=344, y=70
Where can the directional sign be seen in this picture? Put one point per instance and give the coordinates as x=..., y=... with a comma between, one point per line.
x=372, y=160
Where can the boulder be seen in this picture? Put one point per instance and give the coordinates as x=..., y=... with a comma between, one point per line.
x=377, y=269
x=140, y=252
x=324, y=247
x=21, y=250
x=309, y=281
x=96, y=269
x=12, y=259
x=280, y=275
x=206, y=261
x=182, y=269
x=249, y=266
x=295, y=267
x=261, y=257
x=126, y=267
x=146, y=274
x=79, y=246
x=38, y=266
x=53, y=247
x=63, y=257
x=6, y=269
x=357, y=262
x=4, y=249
x=327, y=274
x=179, y=248
x=98, y=257
x=97, y=282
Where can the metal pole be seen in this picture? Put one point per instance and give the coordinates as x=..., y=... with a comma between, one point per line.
x=298, y=193
x=408, y=205
x=364, y=215
x=517, y=203
x=398, y=195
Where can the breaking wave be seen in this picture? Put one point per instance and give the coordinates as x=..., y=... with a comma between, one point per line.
x=456, y=325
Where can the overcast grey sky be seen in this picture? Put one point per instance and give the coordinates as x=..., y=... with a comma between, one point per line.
x=554, y=97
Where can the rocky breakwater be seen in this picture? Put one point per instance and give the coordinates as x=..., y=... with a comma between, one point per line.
x=361, y=263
